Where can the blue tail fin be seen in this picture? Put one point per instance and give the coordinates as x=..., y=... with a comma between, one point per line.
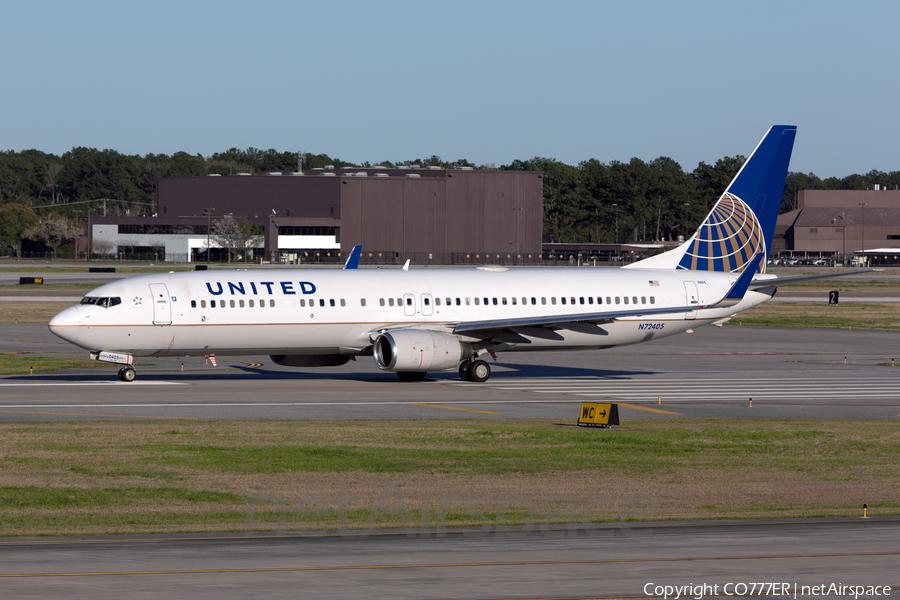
x=742, y=223
x=353, y=259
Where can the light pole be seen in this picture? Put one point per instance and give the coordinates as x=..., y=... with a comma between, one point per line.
x=76, y=236
x=617, y=222
x=208, y=231
x=863, y=205
x=90, y=237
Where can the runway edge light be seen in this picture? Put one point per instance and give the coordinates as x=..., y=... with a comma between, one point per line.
x=598, y=415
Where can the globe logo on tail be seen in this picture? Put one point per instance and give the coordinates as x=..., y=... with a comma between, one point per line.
x=729, y=239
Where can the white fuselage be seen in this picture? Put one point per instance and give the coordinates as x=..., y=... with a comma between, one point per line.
x=320, y=312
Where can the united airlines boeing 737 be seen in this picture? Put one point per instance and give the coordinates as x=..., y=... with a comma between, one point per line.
x=414, y=321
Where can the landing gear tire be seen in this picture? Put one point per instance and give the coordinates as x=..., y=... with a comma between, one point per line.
x=479, y=371
x=412, y=375
x=464, y=370
x=127, y=374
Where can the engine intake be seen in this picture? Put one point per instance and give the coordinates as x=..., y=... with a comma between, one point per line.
x=418, y=350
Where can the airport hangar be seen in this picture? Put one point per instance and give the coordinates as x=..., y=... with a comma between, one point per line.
x=428, y=215
x=862, y=226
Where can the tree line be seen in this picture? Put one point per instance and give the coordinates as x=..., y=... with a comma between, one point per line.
x=589, y=202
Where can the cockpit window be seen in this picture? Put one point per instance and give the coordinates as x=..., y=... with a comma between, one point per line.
x=101, y=302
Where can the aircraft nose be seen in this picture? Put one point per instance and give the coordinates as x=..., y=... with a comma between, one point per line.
x=67, y=324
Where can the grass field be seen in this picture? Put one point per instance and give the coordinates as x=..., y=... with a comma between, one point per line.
x=875, y=316
x=24, y=364
x=181, y=476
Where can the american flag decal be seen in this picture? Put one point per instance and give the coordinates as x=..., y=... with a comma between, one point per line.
x=654, y=282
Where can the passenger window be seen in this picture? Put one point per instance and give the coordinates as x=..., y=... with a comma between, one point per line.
x=590, y=300
x=626, y=299
x=425, y=301
x=381, y=302
x=477, y=301
x=212, y=303
x=643, y=300
x=203, y=304
x=573, y=300
x=617, y=299
x=609, y=301
x=302, y=303
x=599, y=299
x=495, y=302
x=543, y=300
x=467, y=302
x=513, y=300
x=193, y=304
x=331, y=302
x=241, y=303
x=252, y=304
x=563, y=299
x=232, y=303
x=362, y=301
x=343, y=302
x=634, y=299
x=437, y=301
x=458, y=301
x=533, y=300
x=322, y=302
x=271, y=304
x=553, y=300
x=486, y=301
x=390, y=301
x=581, y=300
x=409, y=301
x=652, y=299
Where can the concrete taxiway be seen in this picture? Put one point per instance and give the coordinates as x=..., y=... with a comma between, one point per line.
x=729, y=372
x=625, y=560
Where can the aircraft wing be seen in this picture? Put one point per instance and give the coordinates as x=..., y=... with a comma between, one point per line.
x=776, y=281
x=590, y=320
x=471, y=327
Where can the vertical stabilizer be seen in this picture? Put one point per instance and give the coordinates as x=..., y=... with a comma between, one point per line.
x=741, y=224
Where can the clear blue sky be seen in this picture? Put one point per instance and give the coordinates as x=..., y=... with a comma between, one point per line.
x=486, y=81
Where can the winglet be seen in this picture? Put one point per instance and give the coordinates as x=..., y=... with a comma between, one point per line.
x=353, y=259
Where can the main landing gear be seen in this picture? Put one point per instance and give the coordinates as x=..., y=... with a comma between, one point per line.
x=127, y=374
x=477, y=371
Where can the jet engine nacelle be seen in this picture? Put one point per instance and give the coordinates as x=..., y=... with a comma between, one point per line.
x=419, y=350
x=310, y=360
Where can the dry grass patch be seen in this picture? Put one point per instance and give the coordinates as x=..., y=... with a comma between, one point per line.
x=121, y=477
x=30, y=312
x=875, y=316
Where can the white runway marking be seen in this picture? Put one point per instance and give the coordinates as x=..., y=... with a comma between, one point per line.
x=90, y=384
x=682, y=389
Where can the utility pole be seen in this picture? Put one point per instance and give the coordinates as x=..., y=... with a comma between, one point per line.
x=208, y=232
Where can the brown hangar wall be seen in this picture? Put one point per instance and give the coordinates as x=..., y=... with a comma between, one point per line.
x=399, y=210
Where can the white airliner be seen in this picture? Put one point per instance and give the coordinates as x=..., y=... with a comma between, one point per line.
x=420, y=320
